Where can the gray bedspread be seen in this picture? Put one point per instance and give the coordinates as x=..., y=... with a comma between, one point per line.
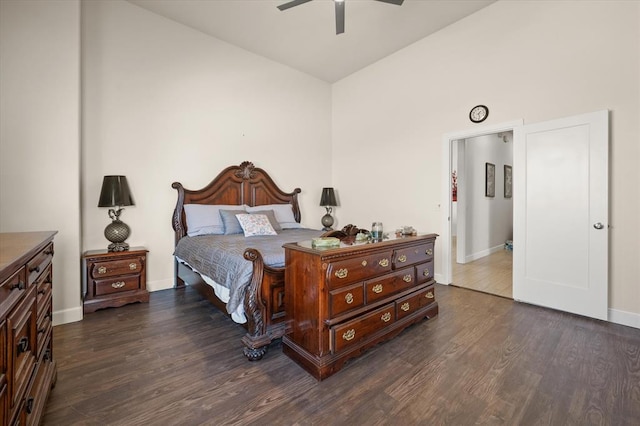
x=221, y=257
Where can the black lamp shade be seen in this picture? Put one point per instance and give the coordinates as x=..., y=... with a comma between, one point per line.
x=328, y=197
x=115, y=192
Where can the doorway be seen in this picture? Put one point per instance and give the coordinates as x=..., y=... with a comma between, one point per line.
x=446, y=241
x=482, y=213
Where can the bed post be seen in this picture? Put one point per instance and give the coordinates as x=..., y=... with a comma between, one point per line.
x=256, y=340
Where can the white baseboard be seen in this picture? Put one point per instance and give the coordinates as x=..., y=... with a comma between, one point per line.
x=160, y=284
x=629, y=319
x=483, y=253
x=67, y=315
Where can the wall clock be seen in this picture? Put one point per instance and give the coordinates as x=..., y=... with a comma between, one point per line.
x=478, y=113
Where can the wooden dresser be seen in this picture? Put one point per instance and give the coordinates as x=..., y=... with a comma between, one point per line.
x=27, y=367
x=341, y=301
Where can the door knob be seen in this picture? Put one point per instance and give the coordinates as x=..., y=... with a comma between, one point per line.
x=598, y=225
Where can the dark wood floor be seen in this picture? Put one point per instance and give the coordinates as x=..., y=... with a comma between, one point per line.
x=483, y=360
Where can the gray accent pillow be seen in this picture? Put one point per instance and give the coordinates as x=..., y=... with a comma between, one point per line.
x=230, y=221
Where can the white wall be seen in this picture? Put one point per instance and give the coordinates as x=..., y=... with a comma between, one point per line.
x=164, y=103
x=489, y=220
x=525, y=59
x=40, y=134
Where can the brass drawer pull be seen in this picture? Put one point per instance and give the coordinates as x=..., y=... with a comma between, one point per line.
x=405, y=306
x=429, y=252
x=364, y=263
x=348, y=298
x=342, y=273
x=349, y=334
x=429, y=295
x=406, y=278
x=384, y=263
x=426, y=272
x=377, y=288
x=133, y=266
x=402, y=258
x=102, y=270
x=118, y=284
x=386, y=317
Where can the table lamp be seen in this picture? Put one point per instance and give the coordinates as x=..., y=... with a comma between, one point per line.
x=115, y=193
x=328, y=200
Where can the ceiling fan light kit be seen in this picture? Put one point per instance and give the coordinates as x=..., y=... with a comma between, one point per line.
x=339, y=5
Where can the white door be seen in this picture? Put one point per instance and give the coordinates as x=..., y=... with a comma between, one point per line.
x=560, y=177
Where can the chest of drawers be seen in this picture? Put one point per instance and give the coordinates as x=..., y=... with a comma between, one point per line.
x=27, y=367
x=341, y=301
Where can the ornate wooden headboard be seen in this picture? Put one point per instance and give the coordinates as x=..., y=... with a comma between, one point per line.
x=235, y=185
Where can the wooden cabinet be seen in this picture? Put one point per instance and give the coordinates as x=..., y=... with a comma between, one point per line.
x=113, y=279
x=27, y=366
x=341, y=301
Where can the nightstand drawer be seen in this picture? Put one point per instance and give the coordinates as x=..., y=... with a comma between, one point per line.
x=116, y=267
x=117, y=285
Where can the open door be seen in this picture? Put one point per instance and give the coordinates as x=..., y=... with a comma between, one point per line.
x=560, y=176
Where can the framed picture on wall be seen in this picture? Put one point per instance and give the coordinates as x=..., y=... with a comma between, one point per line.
x=507, y=182
x=490, y=180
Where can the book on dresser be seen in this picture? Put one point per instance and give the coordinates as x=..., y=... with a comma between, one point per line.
x=340, y=301
x=27, y=366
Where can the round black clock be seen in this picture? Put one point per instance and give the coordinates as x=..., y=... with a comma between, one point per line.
x=478, y=113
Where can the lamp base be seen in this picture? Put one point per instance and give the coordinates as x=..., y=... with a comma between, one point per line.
x=118, y=247
x=327, y=222
x=116, y=232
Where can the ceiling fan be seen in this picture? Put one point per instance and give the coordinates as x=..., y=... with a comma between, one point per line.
x=339, y=10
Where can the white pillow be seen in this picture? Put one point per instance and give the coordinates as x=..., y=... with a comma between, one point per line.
x=204, y=219
x=283, y=213
x=255, y=224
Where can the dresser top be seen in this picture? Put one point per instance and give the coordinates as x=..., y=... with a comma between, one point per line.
x=17, y=247
x=392, y=241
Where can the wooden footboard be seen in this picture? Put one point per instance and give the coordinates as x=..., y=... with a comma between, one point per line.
x=264, y=299
x=264, y=307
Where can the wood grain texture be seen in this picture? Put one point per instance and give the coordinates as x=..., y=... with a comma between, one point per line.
x=482, y=360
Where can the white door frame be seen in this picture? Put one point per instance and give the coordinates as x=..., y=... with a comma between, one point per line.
x=445, y=275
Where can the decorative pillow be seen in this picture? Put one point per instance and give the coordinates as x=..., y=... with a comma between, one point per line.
x=283, y=213
x=204, y=219
x=255, y=224
x=230, y=221
x=272, y=219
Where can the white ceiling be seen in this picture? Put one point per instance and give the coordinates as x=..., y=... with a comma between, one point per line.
x=304, y=37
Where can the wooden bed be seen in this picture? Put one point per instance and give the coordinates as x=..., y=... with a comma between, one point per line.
x=264, y=298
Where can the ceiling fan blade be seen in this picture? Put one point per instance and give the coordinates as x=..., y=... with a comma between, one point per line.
x=292, y=4
x=396, y=2
x=339, y=17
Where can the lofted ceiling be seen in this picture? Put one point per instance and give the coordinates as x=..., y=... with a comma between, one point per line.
x=304, y=37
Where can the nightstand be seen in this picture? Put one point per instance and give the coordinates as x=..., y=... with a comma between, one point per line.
x=113, y=279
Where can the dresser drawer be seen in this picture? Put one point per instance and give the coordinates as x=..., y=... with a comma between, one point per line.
x=411, y=255
x=428, y=296
x=116, y=267
x=356, y=330
x=348, y=271
x=39, y=263
x=21, y=330
x=424, y=272
x=44, y=325
x=43, y=289
x=12, y=289
x=410, y=304
x=345, y=299
x=381, y=287
x=117, y=285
